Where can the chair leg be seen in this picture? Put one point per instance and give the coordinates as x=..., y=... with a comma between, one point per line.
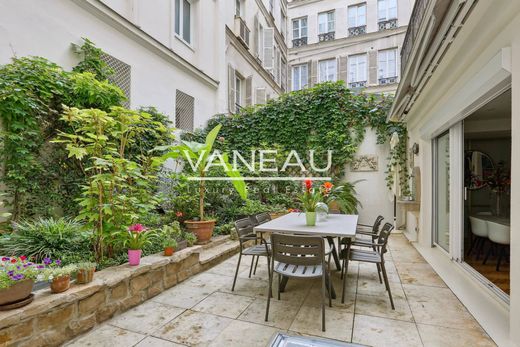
x=379, y=273
x=251, y=268
x=279, y=284
x=342, y=269
x=269, y=297
x=488, y=253
x=256, y=264
x=330, y=289
x=236, y=271
x=323, y=301
x=471, y=245
x=480, y=247
x=387, y=284
x=500, y=256
x=269, y=273
x=344, y=281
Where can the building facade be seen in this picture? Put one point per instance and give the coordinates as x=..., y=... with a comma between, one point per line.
x=459, y=98
x=191, y=59
x=350, y=40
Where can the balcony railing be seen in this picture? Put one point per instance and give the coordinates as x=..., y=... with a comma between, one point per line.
x=326, y=37
x=358, y=84
x=355, y=31
x=413, y=28
x=302, y=41
x=387, y=24
x=388, y=80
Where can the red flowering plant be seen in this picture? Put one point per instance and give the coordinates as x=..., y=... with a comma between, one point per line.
x=310, y=197
x=136, y=237
x=16, y=269
x=499, y=180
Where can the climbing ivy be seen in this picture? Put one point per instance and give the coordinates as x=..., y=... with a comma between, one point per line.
x=326, y=117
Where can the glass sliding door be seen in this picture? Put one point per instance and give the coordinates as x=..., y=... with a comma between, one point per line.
x=441, y=163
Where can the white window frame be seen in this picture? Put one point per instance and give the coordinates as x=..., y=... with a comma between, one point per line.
x=300, y=28
x=357, y=73
x=283, y=23
x=386, y=10
x=179, y=21
x=329, y=23
x=298, y=77
x=357, y=22
x=239, y=84
x=384, y=66
x=238, y=8
x=331, y=64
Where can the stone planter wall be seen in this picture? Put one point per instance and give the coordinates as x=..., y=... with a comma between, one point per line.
x=52, y=319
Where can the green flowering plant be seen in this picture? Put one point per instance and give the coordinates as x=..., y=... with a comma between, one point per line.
x=136, y=237
x=170, y=234
x=190, y=239
x=86, y=265
x=16, y=269
x=53, y=269
x=311, y=197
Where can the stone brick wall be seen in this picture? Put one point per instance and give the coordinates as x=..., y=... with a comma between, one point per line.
x=52, y=319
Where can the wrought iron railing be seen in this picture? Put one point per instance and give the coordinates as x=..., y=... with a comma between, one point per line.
x=358, y=84
x=387, y=24
x=326, y=37
x=302, y=41
x=413, y=28
x=388, y=80
x=355, y=31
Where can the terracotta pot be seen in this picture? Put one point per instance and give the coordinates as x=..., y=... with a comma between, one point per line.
x=168, y=251
x=17, y=292
x=60, y=284
x=202, y=229
x=85, y=276
x=134, y=257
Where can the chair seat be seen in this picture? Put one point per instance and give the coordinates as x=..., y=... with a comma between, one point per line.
x=302, y=271
x=256, y=250
x=365, y=256
x=363, y=242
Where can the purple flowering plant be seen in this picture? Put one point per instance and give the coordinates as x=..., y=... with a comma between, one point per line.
x=16, y=269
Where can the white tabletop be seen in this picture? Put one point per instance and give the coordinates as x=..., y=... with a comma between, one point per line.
x=343, y=225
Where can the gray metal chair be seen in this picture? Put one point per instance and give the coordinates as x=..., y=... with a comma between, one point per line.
x=260, y=218
x=245, y=232
x=299, y=257
x=373, y=256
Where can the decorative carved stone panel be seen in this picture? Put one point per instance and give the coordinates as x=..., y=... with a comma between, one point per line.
x=366, y=162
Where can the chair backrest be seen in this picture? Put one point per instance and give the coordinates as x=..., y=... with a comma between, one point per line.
x=298, y=250
x=263, y=218
x=377, y=223
x=382, y=239
x=479, y=227
x=244, y=228
x=499, y=233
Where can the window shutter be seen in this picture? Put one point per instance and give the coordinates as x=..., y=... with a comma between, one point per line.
x=372, y=68
x=268, y=48
x=256, y=34
x=249, y=91
x=342, y=69
x=313, y=72
x=290, y=72
x=260, y=95
x=231, y=89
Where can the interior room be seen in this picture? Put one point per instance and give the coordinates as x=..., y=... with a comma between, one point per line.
x=487, y=181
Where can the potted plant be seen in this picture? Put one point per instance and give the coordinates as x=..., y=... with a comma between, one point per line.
x=135, y=238
x=190, y=238
x=17, y=277
x=169, y=236
x=85, y=273
x=310, y=199
x=57, y=275
x=200, y=157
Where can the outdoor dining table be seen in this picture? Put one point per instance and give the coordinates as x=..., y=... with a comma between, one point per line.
x=335, y=225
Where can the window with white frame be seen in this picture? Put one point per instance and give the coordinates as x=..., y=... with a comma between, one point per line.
x=299, y=27
x=326, y=22
x=386, y=10
x=300, y=76
x=238, y=8
x=387, y=63
x=238, y=90
x=183, y=19
x=283, y=24
x=357, y=15
x=260, y=46
x=327, y=70
x=357, y=68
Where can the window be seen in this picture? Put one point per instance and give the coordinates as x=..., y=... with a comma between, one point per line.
x=260, y=46
x=238, y=91
x=300, y=76
x=386, y=9
x=184, y=111
x=387, y=63
x=327, y=70
x=357, y=68
x=326, y=22
x=357, y=15
x=183, y=19
x=299, y=28
x=283, y=23
x=238, y=8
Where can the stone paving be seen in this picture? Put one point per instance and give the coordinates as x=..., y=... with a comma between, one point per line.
x=203, y=311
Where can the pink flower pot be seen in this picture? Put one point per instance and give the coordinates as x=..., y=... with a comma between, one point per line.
x=134, y=257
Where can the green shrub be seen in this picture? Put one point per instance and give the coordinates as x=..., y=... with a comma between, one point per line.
x=61, y=238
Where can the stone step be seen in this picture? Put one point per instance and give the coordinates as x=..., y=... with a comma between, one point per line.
x=216, y=241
